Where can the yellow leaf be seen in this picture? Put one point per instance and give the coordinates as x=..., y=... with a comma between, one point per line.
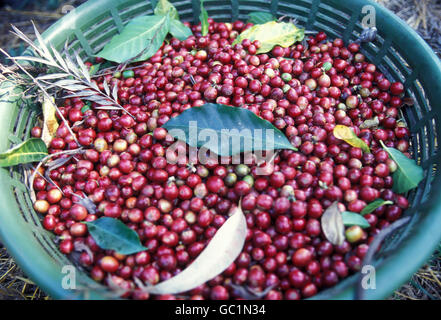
x=50, y=124
x=345, y=133
x=272, y=34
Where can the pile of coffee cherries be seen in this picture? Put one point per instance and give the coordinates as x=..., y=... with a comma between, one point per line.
x=303, y=90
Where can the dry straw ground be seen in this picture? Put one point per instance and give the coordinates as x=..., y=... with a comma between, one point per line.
x=422, y=15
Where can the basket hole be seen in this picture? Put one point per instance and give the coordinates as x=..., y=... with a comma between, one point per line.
x=135, y=11
x=19, y=120
x=16, y=192
x=329, y=12
x=93, y=26
x=425, y=144
x=219, y=10
x=252, y=6
x=344, y=13
x=433, y=172
x=392, y=70
x=337, y=26
x=434, y=150
x=102, y=39
x=399, y=61
x=421, y=97
x=416, y=147
x=144, y=7
x=300, y=4
x=100, y=27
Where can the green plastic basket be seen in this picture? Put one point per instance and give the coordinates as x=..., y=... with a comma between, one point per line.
x=398, y=51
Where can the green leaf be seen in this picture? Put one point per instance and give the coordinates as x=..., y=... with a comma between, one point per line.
x=140, y=39
x=408, y=174
x=354, y=219
x=31, y=150
x=203, y=17
x=345, y=133
x=179, y=30
x=260, y=17
x=112, y=234
x=272, y=34
x=164, y=7
x=226, y=130
x=374, y=205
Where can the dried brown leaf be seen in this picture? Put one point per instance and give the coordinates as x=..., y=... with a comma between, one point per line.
x=50, y=123
x=332, y=224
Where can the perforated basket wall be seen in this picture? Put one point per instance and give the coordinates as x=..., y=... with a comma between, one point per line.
x=398, y=51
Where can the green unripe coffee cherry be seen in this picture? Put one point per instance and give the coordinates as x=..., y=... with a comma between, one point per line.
x=287, y=191
x=354, y=234
x=242, y=170
x=392, y=165
x=286, y=77
x=128, y=74
x=286, y=88
x=202, y=172
x=249, y=179
x=117, y=75
x=270, y=72
x=230, y=179
x=342, y=106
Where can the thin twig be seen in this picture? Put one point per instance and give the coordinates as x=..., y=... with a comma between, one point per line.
x=45, y=159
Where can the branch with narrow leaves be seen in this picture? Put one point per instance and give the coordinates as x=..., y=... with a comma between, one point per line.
x=66, y=74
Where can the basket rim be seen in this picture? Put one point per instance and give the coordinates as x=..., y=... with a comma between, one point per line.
x=393, y=271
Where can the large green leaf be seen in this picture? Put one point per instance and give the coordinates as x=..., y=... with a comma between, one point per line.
x=31, y=150
x=112, y=234
x=226, y=130
x=164, y=7
x=203, y=17
x=408, y=174
x=260, y=17
x=179, y=30
x=272, y=34
x=354, y=219
x=139, y=40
